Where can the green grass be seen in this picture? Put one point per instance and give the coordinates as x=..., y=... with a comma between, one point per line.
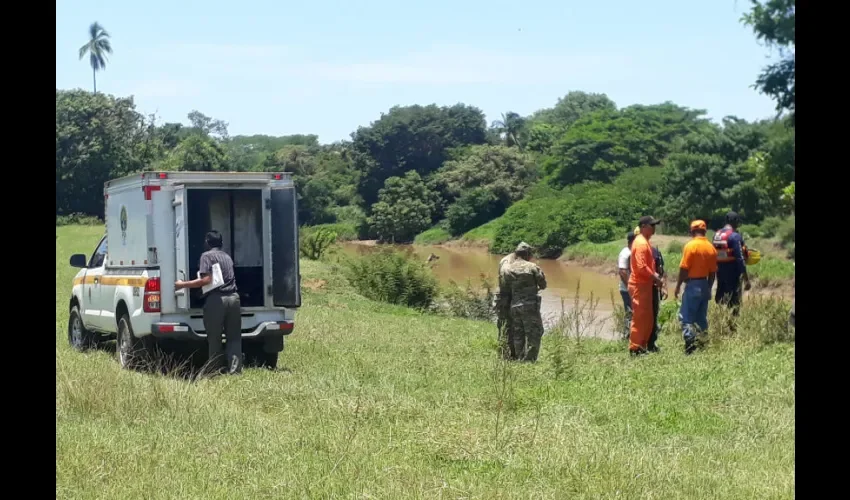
x=379, y=401
x=345, y=231
x=483, y=233
x=434, y=236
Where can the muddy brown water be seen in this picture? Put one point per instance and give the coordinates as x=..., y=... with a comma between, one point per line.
x=566, y=282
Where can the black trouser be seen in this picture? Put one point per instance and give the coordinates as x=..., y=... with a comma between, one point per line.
x=223, y=312
x=656, y=306
x=729, y=287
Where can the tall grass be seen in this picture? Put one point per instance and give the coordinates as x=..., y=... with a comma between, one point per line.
x=373, y=400
x=390, y=276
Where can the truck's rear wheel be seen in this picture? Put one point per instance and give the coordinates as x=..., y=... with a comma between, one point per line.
x=132, y=352
x=79, y=338
x=268, y=360
x=255, y=356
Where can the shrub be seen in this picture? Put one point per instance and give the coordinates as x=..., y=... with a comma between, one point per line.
x=469, y=301
x=390, y=276
x=675, y=247
x=313, y=244
x=345, y=231
x=472, y=209
x=78, y=220
x=599, y=230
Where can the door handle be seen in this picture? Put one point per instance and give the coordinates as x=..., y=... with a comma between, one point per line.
x=96, y=280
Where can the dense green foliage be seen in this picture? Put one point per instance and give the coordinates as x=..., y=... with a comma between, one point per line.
x=583, y=170
x=390, y=276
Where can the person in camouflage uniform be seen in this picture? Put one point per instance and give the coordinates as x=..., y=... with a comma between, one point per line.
x=502, y=305
x=519, y=283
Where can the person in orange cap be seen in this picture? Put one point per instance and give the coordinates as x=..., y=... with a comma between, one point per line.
x=642, y=281
x=697, y=270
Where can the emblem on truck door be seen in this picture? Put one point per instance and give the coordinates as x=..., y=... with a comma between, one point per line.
x=123, y=221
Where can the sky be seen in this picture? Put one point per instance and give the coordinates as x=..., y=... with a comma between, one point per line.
x=328, y=67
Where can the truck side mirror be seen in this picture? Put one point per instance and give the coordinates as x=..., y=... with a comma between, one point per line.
x=78, y=260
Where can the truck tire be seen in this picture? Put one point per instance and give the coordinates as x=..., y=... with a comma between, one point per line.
x=256, y=357
x=268, y=360
x=132, y=352
x=79, y=338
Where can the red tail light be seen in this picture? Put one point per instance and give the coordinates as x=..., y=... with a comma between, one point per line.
x=153, y=298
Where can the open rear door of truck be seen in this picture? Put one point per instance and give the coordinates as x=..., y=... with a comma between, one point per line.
x=181, y=245
x=286, y=275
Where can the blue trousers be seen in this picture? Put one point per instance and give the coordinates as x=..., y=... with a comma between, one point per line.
x=694, y=311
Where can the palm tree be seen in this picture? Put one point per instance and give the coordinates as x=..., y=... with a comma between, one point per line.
x=510, y=125
x=97, y=47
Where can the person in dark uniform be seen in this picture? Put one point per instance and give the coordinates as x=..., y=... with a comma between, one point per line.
x=222, y=308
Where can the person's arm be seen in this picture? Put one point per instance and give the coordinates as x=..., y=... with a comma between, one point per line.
x=205, y=279
x=541, y=279
x=737, y=242
x=711, y=276
x=624, y=276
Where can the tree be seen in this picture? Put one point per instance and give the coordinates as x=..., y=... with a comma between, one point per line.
x=773, y=22
x=97, y=48
x=604, y=143
x=416, y=138
x=404, y=208
x=572, y=107
x=501, y=170
x=197, y=153
x=716, y=170
x=207, y=125
x=98, y=137
x=509, y=128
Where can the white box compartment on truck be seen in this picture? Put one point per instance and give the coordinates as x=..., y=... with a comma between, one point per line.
x=155, y=228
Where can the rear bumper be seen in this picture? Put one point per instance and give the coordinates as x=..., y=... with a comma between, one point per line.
x=182, y=331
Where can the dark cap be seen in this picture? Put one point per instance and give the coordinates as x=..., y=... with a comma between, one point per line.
x=648, y=220
x=732, y=216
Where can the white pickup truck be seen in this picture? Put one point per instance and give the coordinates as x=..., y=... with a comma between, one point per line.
x=155, y=227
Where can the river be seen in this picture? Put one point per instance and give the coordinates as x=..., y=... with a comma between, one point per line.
x=566, y=282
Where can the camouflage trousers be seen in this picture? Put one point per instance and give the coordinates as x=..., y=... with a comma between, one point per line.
x=525, y=329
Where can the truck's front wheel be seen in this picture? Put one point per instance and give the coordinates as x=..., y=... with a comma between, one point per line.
x=78, y=337
x=132, y=352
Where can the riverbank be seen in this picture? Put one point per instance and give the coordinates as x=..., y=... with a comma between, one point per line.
x=379, y=401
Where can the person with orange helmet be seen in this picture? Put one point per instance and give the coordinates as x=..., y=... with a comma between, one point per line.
x=697, y=270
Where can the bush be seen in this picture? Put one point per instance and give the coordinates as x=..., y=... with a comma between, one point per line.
x=751, y=231
x=469, y=302
x=390, y=276
x=350, y=214
x=675, y=247
x=473, y=209
x=345, y=231
x=78, y=220
x=599, y=230
x=313, y=244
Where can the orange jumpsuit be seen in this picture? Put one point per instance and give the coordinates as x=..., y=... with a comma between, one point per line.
x=640, y=290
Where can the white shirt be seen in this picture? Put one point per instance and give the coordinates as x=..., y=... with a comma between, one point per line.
x=623, y=263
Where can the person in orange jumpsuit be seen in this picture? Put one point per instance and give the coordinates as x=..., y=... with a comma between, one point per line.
x=642, y=279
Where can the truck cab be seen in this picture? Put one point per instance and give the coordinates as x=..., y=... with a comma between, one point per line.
x=155, y=224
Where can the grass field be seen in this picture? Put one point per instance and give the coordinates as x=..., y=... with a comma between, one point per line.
x=377, y=401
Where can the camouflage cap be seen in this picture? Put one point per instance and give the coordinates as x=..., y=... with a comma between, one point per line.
x=523, y=247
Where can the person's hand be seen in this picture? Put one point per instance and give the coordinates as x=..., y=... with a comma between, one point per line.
x=664, y=293
x=179, y=284
x=676, y=294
